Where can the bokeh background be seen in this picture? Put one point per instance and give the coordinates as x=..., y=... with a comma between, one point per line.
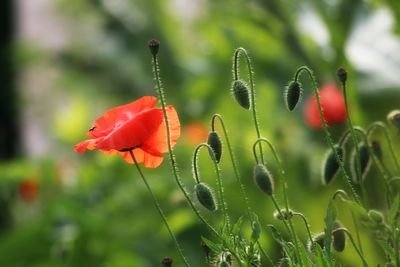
x=64, y=62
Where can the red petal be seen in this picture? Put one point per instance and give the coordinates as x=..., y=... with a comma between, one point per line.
x=148, y=160
x=158, y=141
x=133, y=132
x=118, y=115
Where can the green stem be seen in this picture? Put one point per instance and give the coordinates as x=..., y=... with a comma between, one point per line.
x=376, y=161
x=344, y=196
x=353, y=135
x=235, y=168
x=157, y=204
x=219, y=179
x=325, y=127
x=175, y=170
x=306, y=224
x=365, y=264
x=239, y=51
x=381, y=125
x=289, y=229
x=178, y=180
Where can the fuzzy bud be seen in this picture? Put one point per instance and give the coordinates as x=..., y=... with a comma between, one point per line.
x=241, y=93
x=394, y=118
x=206, y=197
x=167, y=262
x=365, y=160
x=342, y=75
x=292, y=95
x=316, y=240
x=283, y=214
x=330, y=165
x=154, y=45
x=339, y=237
x=263, y=179
x=214, y=142
x=375, y=216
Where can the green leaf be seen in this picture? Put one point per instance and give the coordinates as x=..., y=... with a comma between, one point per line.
x=237, y=227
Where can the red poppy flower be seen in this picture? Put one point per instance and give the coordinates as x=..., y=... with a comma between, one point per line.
x=138, y=126
x=332, y=102
x=28, y=189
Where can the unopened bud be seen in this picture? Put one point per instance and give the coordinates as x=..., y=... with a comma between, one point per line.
x=214, y=142
x=330, y=166
x=263, y=179
x=365, y=161
x=167, y=262
x=342, y=74
x=206, y=197
x=339, y=237
x=375, y=216
x=283, y=214
x=394, y=118
x=241, y=93
x=154, y=45
x=292, y=95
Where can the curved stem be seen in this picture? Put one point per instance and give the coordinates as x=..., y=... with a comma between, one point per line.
x=325, y=127
x=376, y=161
x=241, y=51
x=289, y=228
x=344, y=196
x=178, y=180
x=381, y=125
x=353, y=135
x=160, y=211
x=305, y=223
x=219, y=179
x=235, y=168
x=365, y=264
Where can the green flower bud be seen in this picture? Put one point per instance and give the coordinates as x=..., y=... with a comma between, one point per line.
x=214, y=142
x=394, y=118
x=206, y=197
x=263, y=179
x=375, y=216
x=330, y=166
x=292, y=95
x=365, y=160
x=154, y=45
x=241, y=93
x=283, y=214
x=339, y=237
x=167, y=262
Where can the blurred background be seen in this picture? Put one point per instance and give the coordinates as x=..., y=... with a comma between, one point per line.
x=63, y=63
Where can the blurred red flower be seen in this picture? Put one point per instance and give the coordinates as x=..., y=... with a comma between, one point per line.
x=332, y=102
x=195, y=132
x=138, y=126
x=28, y=189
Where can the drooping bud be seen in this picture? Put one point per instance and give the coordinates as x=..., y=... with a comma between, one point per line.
x=214, y=142
x=339, y=237
x=264, y=179
x=375, y=216
x=377, y=149
x=330, y=166
x=154, y=45
x=365, y=161
x=292, y=95
x=167, y=262
x=283, y=214
x=342, y=74
x=318, y=239
x=205, y=196
x=394, y=118
x=241, y=93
